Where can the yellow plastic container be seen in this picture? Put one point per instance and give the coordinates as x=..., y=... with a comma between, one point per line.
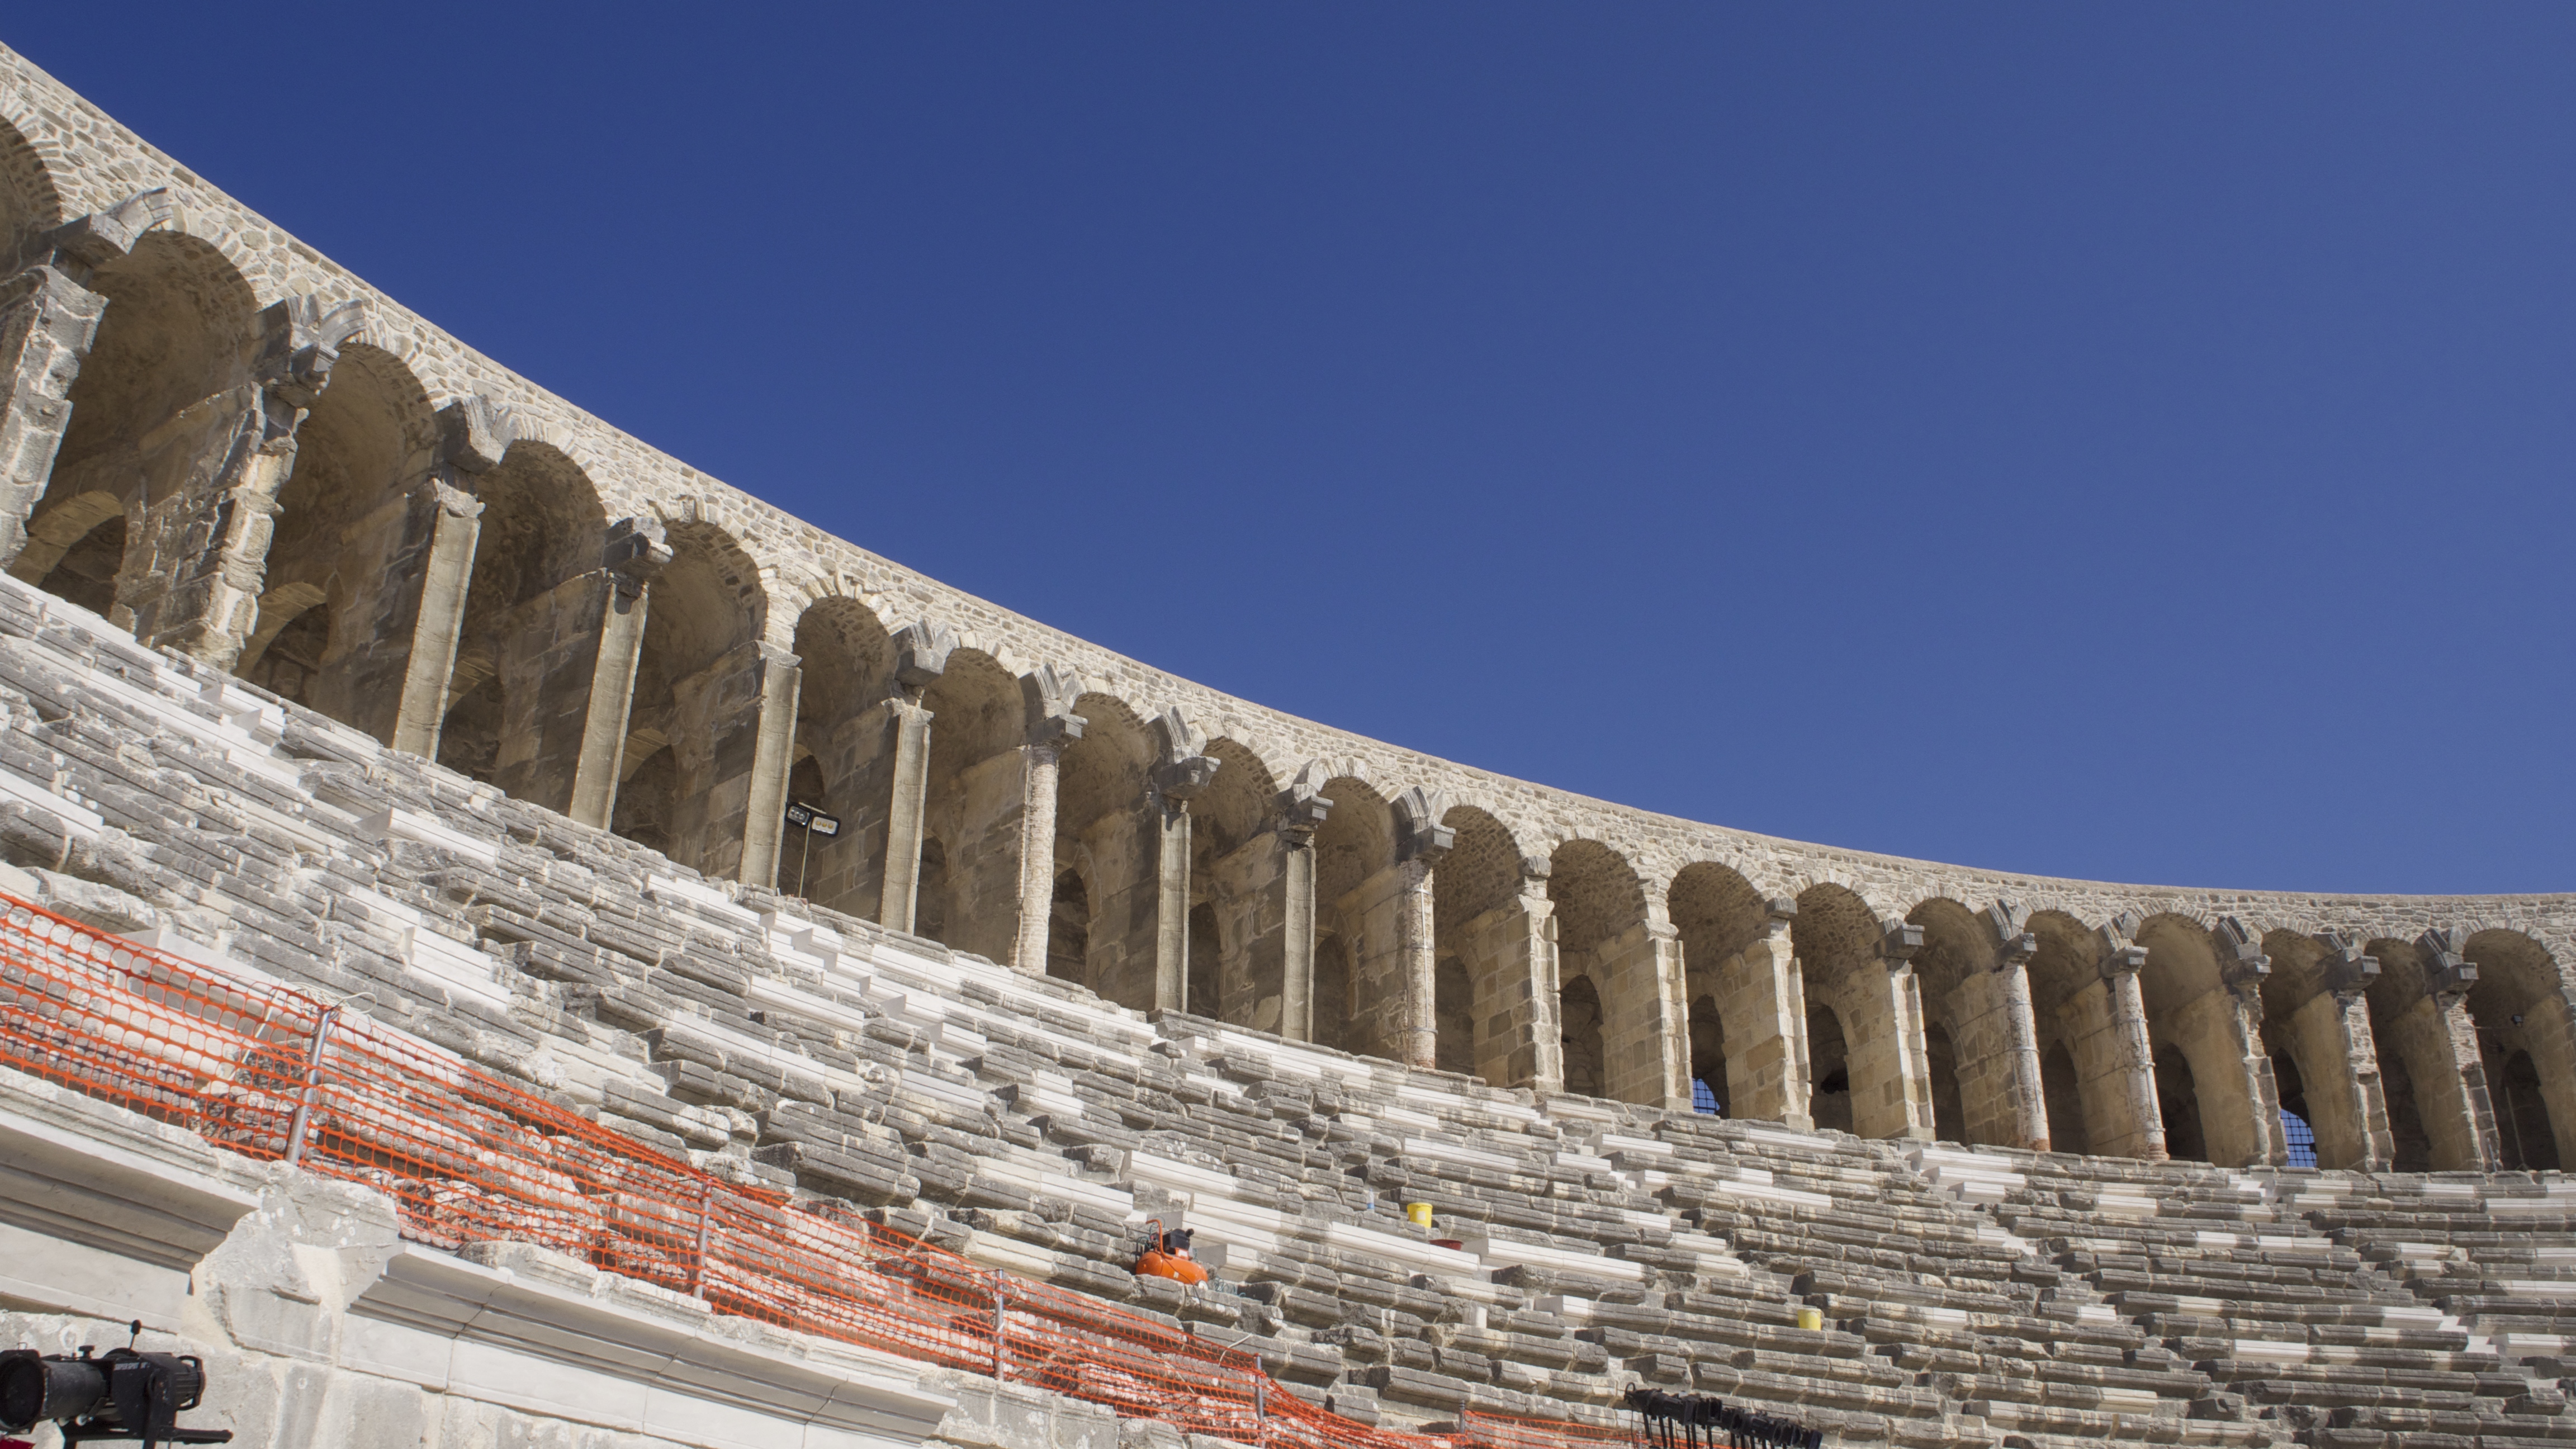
x=1420, y=1212
x=1811, y=1319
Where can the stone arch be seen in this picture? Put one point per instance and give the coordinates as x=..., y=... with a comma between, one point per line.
x=2106, y=1081
x=842, y=760
x=2519, y=1008
x=354, y=521
x=1238, y=892
x=1106, y=837
x=1969, y=1036
x=156, y=411
x=1490, y=1017
x=1745, y=1028
x=693, y=729
x=974, y=796
x=2195, y=1015
x=527, y=644
x=1358, y=908
x=2325, y=1066
x=1605, y=936
x=1869, y=998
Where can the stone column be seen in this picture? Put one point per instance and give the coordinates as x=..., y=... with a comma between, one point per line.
x=1049, y=695
x=635, y=553
x=456, y=520
x=1671, y=1007
x=1183, y=769
x=209, y=550
x=2253, y=1096
x=773, y=752
x=2133, y=1058
x=1424, y=840
x=2021, y=1027
x=1901, y=1075
x=48, y=320
x=1301, y=811
x=1766, y=1078
x=910, y=798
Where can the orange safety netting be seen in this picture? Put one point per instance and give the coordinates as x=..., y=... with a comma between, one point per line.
x=268, y=1072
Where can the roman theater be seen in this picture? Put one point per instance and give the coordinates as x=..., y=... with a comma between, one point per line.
x=417, y=1002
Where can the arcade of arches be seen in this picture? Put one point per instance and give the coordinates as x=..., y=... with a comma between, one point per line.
x=264, y=489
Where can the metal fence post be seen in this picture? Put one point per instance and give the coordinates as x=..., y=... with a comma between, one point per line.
x=1001, y=1327
x=303, y=1123
x=706, y=1225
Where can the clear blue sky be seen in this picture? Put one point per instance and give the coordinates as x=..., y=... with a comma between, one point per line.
x=2124, y=442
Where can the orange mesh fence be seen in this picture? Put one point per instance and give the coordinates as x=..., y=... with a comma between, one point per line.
x=266, y=1071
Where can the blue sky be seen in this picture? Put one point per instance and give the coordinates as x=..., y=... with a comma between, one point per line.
x=2120, y=442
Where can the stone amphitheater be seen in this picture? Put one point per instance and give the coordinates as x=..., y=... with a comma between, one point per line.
x=343, y=664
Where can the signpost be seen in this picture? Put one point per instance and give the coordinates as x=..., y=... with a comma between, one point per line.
x=813, y=822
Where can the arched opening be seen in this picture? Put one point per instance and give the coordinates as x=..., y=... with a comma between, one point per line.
x=164, y=392
x=2058, y=1084
x=1970, y=1037
x=1602, y=936
x=2179, y=1097
x=976, y=793
x=2529, y=1143
x=1480, y=923
x=845, y=737
x=355, y=523
x=1203, y=996
x=2332, y=1115
x=2520, y=1012
x=696, y=715
x=86, y=574
x=1105, y=827
x=1580, y=1010
x=2074, y=1007
x=2195, y=1017
x=1451, y=997
x=2429, y=1119
x=1069, y=931
x=1734, y=971
x=527, y=646
x=1837, y=939
x=1359, y=901
x=288, y=661
x=1708, y=1057
x=1829, y=1058
x=28, y=203
x=1238, y=872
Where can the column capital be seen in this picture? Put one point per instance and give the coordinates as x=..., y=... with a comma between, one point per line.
x=921, y=651
x=2014, y=942
x=2448, y=972
x=1417, y=818
x=1897, y=943
x=1183, y=766
x=474, y=434
x=1049, y=694
x=2345, y=971
x=300, y=339
x=2123, y=959
x=2241, y=962
x=1302, y=808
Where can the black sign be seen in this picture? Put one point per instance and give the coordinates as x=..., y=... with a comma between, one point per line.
x=813, y=819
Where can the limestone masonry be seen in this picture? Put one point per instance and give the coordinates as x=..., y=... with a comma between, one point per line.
x=335, y=656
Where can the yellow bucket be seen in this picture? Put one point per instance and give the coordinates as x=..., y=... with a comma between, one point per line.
x=1420, y=1212
x=1811, y=1319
